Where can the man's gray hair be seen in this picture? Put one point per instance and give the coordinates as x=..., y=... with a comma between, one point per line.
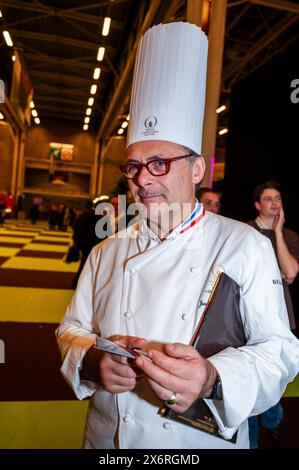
x=195, y=155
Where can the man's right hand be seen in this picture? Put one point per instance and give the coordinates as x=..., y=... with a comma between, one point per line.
x=114, y=372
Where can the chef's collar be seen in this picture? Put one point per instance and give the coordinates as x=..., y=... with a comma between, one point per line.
x=191, y=221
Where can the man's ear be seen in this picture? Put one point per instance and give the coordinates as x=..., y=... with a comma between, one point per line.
x=257, y=206
x=198, y=170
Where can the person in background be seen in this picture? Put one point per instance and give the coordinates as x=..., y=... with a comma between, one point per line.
x=21, y=212
x=72, y=216
x=84, y=236
x=270, y=222
x=149, y=280
x=53, y=217
x=209, y=198
x=2, y=210
x=34, y=213
x=60, y=216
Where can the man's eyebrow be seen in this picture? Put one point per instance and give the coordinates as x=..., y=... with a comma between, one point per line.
x=151, y=157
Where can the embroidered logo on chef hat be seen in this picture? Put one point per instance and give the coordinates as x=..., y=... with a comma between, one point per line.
x=150, y=124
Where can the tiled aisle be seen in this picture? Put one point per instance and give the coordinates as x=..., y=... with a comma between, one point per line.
x=37, y=408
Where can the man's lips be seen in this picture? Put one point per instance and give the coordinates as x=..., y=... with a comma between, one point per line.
x=148, y=195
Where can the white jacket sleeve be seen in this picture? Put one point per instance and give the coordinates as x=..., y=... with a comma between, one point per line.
x=74, y=335
x=255, y=376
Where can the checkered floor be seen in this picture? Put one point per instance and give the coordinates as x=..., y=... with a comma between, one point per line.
x=35, y=289
x=35, y=248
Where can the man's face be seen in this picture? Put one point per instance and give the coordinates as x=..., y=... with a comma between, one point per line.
x=270, y=203
x=177, y=186
x=210, y=202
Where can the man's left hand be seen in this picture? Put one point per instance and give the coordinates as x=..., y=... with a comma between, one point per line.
x=279, y=221
x=182, y=371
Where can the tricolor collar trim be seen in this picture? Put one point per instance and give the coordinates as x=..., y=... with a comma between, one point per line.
x=193, y=218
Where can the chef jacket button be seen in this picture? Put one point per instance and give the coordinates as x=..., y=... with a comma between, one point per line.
x=193, y=269
x=185, y=316
x=127, y=419
x=167, y=426
x=128, y=314
x=133, y=270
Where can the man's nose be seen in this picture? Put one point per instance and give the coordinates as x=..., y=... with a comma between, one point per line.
x=144, y=178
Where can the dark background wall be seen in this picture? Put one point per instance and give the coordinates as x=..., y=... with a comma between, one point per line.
x=263, y=142
x=263, y=139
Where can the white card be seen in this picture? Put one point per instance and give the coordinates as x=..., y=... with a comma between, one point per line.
x=106, y=345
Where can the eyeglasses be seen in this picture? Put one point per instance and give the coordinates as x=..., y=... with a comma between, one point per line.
x=157, y=167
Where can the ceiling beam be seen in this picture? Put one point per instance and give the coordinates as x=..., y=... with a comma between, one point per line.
x=286, y=6
x=42, y=57
x=231, y=72
x=67, y=13
x=61, y=116
x=43, y=108
x=60, y=90
x=43, y=60
x=58, y=99
x=60, y=77
x=237, y=18
x=53, y=38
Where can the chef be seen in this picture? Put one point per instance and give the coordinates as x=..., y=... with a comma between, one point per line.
x=144, y=288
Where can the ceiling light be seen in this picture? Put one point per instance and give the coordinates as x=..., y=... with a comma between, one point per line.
x=31, y=104
x=222, y=108
x=7, y=38
x=120, y=131
x=90, y=101
x=37, y=120
x=86, y=120
x=101, y=52
x=223, y=131
x=13, y=58
x=85, y=127
x=128, y=117
x=1, y=116
x=0, y=14
x=34, y=113
x=124, y=124
x=96, y=73
x=88, y=111
x=106, y=26
x=93, y=89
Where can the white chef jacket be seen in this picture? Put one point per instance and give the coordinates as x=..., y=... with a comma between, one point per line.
x=134, y=284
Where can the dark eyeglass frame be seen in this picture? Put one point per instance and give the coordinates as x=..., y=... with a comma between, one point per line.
x=139, y=166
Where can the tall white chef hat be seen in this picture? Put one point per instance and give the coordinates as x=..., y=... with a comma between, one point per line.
x=168, y=93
